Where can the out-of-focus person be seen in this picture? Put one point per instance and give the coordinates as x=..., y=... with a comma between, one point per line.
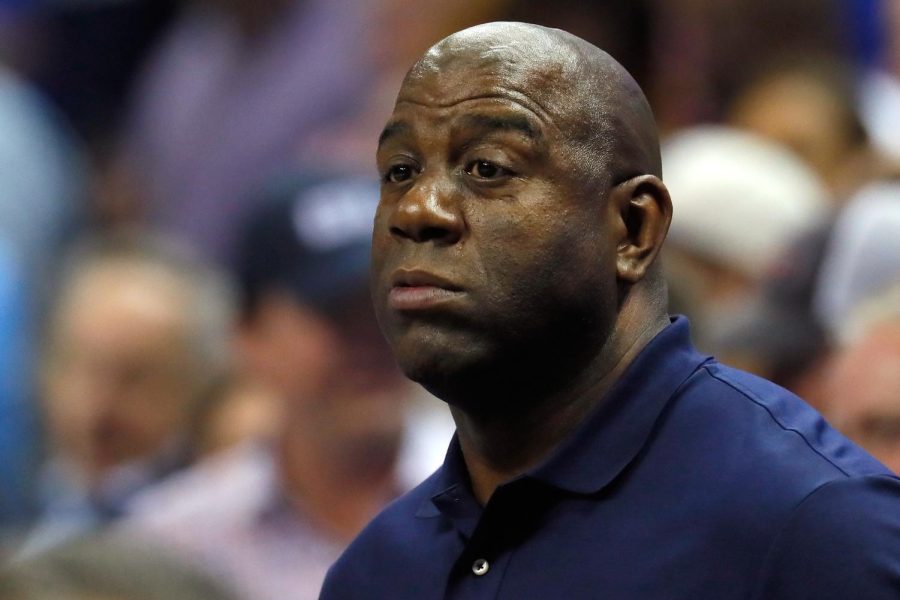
x=240, y=410
x=705, y=50
x=232, y=94
x=777, y=334
x=138, y=336
x=350, y=142
x=862, y=257
x=106, y=568
x=740, y=200
x=861, y=394
x=810, y=294
x=270, y=518
x=810, y=107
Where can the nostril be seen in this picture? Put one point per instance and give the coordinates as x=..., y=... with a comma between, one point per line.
x=433, y=233
x=423, y=234
x=399, y=232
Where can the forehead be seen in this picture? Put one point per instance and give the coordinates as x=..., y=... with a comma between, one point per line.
x=459, y=85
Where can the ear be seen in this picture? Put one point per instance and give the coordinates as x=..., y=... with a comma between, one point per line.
x=642, y=213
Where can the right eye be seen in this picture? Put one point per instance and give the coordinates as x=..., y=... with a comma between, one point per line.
x=398, y=173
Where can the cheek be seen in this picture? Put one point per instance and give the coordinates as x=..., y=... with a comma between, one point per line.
x=546, y=260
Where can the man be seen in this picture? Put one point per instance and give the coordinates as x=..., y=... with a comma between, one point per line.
x=137, y=339
x=270, y=518
x=597, y=454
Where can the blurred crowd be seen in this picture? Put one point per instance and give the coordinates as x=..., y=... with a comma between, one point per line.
x=188, y=361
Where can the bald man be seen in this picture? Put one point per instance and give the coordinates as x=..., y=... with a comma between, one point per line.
x=597, y=454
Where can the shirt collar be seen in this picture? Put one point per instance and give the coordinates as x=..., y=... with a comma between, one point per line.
x=612, y=436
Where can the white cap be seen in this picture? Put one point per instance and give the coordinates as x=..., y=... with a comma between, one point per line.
x=862, y=259
x=738, y=199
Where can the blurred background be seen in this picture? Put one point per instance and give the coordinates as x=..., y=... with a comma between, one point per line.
x=187, y=355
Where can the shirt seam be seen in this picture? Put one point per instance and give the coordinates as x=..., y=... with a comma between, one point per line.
x=750, y=396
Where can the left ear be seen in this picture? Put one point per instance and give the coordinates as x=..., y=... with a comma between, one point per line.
x=642, y=211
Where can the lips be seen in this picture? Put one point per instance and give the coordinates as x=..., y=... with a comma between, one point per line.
x=413, y=290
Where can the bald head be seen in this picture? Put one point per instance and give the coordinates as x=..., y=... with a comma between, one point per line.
x=590, y=98
x=520, y=183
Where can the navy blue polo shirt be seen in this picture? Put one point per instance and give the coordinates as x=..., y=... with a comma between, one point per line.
x=691, y=481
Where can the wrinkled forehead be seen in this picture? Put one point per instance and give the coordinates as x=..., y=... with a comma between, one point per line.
x=537, y=71
x=572, y=86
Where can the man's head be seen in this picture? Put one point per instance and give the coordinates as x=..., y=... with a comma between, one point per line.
x=139, y=334
x=521, y=210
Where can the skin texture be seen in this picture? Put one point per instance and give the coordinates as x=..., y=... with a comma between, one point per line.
x=521, y=212
x=864, y=393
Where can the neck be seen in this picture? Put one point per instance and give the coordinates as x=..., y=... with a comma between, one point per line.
x=500, y=445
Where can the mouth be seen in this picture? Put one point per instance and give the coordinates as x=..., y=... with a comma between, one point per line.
x=413, y=290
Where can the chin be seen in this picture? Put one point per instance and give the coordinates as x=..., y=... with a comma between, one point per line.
x=432, y=358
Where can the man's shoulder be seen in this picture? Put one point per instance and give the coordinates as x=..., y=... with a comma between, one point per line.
x=841, y=541
x=752, y=452
x=773, y=425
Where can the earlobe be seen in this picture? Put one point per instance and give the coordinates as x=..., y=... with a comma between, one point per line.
x=644, y=211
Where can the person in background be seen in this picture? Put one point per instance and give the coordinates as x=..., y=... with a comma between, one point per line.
x=862, y=258
x=810, y=107
x=104, y=568
x=233, y=92
x=775, y=333
x=739, y=202
x=138, y=336
x=861, y=393
x=810, y=294
x=271, y=517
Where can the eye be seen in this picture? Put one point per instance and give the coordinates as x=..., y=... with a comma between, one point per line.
x=398, y=173
x=483, y=169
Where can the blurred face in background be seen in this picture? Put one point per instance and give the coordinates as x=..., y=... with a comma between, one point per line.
x=812, y=111
x=118, y=379
x=334, y=372
x=863, y=394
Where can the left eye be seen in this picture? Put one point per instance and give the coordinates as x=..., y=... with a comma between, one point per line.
x=483, y=169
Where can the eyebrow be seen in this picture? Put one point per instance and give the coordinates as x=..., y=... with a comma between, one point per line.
x=515, y=123
x=392, y=129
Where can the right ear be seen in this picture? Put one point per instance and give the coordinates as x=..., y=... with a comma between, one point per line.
x=643, y=210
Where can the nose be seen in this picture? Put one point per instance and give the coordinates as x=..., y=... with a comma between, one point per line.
x=428, y=213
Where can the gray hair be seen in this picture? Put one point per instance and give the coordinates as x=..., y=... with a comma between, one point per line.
x=210, y=293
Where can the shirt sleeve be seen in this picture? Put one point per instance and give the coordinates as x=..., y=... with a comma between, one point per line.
x=842, y=541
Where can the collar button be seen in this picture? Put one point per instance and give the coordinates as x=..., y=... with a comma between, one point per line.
x=480, y=567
